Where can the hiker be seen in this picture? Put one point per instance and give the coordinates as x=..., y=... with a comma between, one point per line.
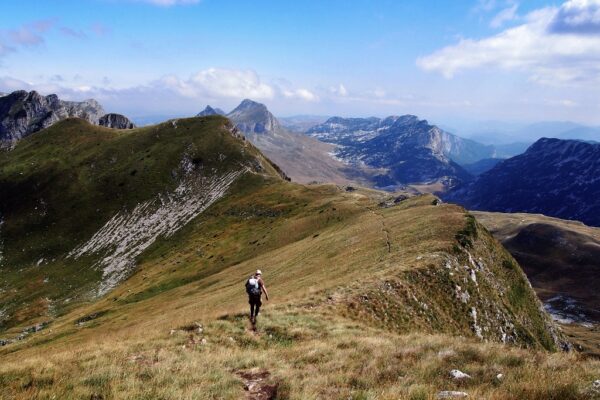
x=254, y=287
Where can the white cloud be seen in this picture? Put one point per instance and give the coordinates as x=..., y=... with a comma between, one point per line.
x=302, y=94
x=230, y=83
x=26, y=35
x=504, y=16
x=170, y=93
x=534, y=47
x=339, y=90
x=577, y=16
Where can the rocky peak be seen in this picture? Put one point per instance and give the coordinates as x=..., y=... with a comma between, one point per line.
x=116, y=121
x=554, y=177
x=253, y=117
x=210, y=111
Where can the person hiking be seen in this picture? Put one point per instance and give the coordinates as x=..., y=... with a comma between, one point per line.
x=254, y=287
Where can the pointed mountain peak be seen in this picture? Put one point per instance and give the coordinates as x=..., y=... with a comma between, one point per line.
x=210, y=111
x=248, y=104
x=253, y=117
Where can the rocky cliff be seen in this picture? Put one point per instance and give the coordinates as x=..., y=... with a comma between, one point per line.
x=408, y=150
x=23, y=113
x=116, y=121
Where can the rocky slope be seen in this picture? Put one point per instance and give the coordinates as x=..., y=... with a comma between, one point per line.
x=23, y=113
x=409, y=150
x=559, y=178
x=115, y=121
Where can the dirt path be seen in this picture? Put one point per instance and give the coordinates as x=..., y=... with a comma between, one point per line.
x=257, y=385
x=384, y=229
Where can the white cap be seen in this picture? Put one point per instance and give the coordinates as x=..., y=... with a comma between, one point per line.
x=258, y=272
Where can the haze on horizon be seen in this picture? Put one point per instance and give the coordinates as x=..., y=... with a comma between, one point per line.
x=450, y=62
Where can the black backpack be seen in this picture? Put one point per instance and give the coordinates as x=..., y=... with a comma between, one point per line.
x=253, y=288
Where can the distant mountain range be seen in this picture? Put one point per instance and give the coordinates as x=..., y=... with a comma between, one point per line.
x=559, y=178
x=499, y=133
x=23, y=113
x=302, y=158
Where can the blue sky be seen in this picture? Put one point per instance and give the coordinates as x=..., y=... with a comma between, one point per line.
x=443, y=60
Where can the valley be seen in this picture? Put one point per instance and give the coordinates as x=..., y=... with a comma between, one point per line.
x=561, y=260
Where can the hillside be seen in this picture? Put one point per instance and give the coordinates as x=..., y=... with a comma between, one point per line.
x=554, y=177
x=562, y=260
x=79, y=203
x=407, y=150
x=373, y=295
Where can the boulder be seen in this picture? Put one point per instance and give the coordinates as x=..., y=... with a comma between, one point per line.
x=116, y=121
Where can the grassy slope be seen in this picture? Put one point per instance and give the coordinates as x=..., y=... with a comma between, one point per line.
x=61, y=185
x=560, y=257
x=359, y=293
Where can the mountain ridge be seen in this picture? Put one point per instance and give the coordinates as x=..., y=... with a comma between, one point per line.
x=410, y=150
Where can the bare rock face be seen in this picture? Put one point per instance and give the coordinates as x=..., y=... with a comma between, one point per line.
x=23, y=113
x=116, y=121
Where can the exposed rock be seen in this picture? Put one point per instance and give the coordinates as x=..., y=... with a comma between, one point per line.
x=116, y=121
x=253, y=117
x=128, y=234
x=23, y=113
x=452, y=394
x=36, y=327
x=459, y=375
